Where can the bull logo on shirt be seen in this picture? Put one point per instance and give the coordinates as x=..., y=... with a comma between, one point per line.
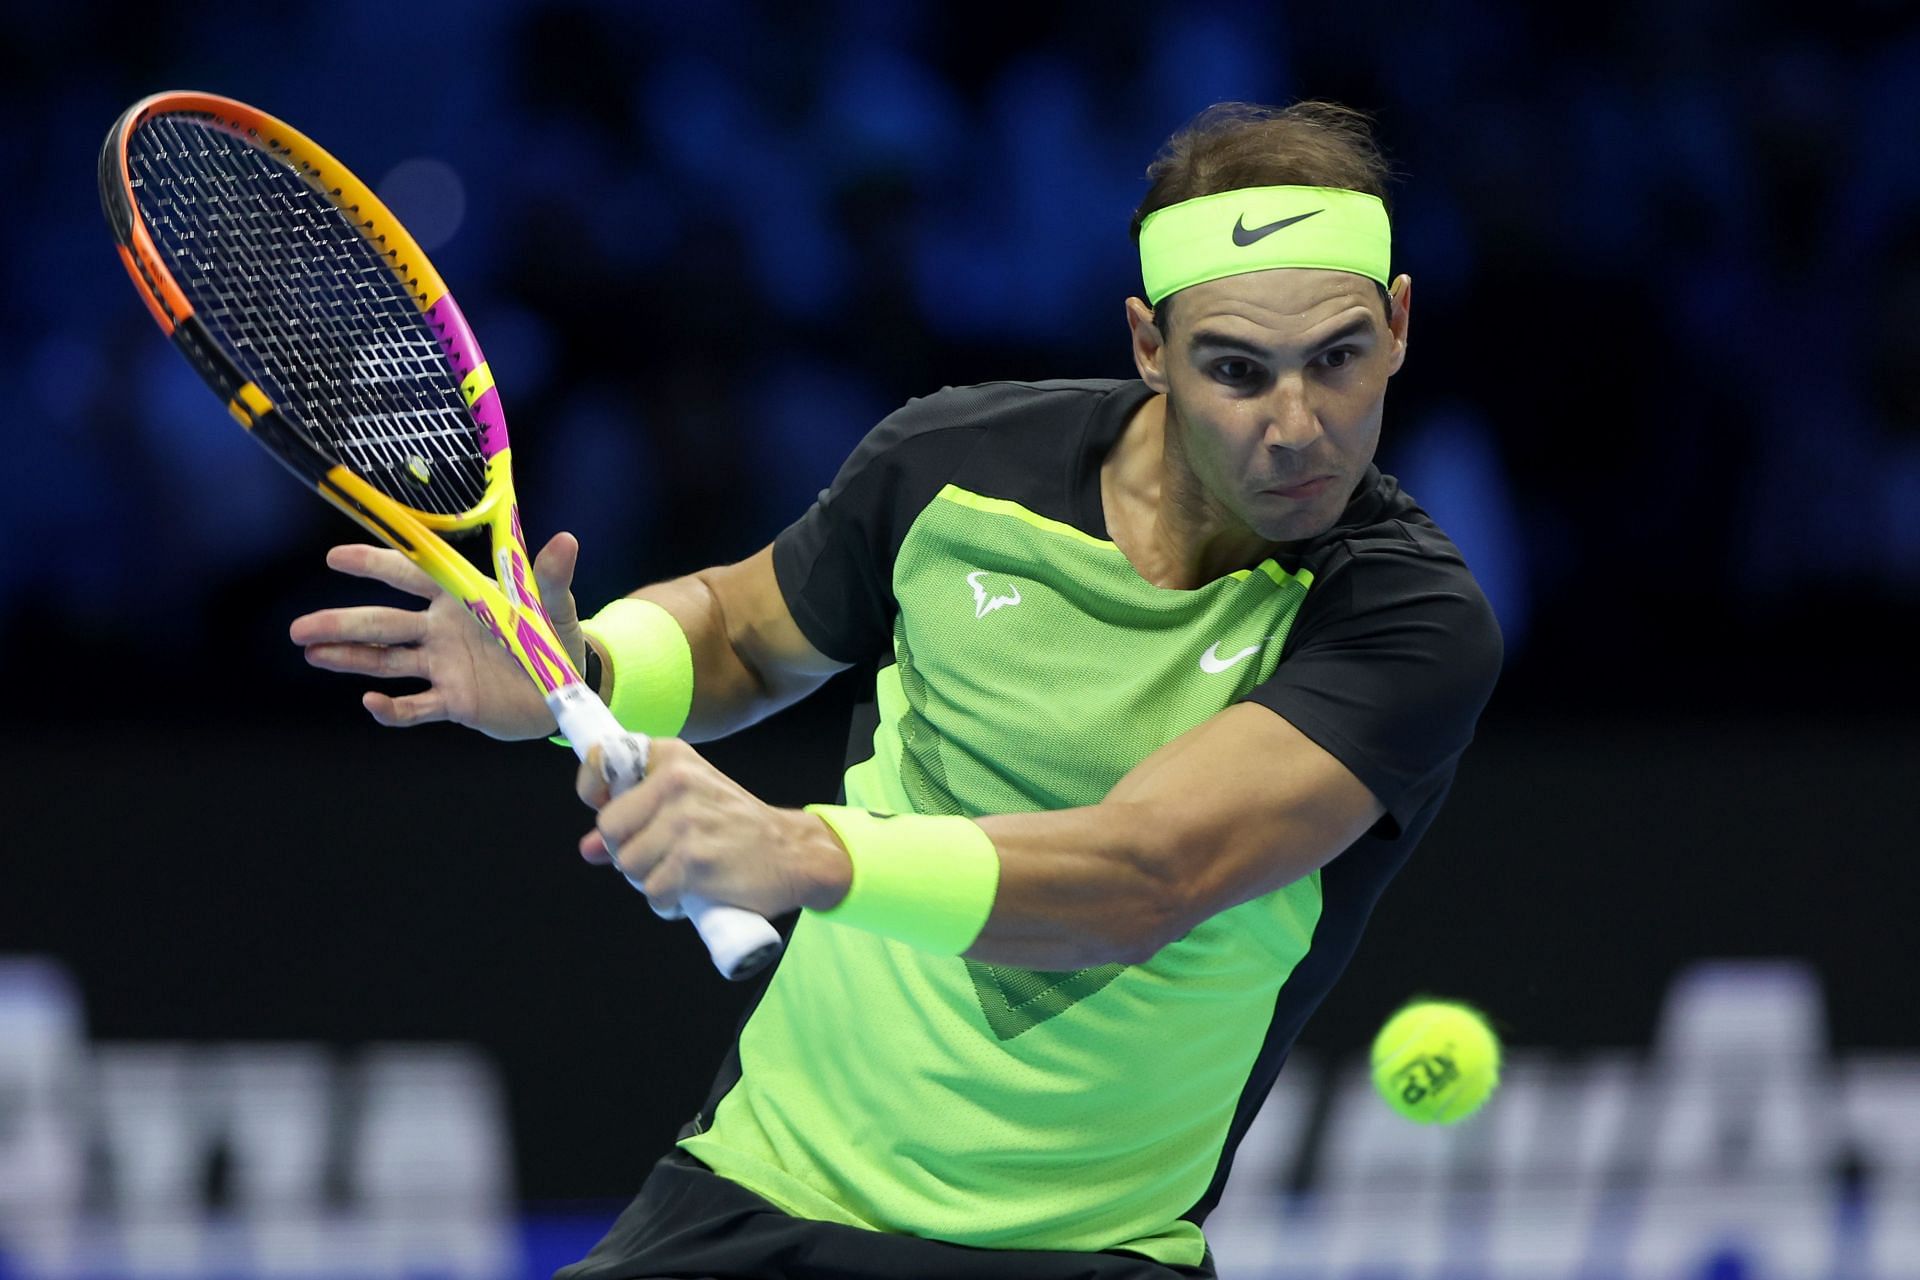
x=984, y=602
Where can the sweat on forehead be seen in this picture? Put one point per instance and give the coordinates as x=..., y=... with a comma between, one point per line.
x=1286, y=299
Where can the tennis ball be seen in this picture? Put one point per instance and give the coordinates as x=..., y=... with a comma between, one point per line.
x=1436, y=1061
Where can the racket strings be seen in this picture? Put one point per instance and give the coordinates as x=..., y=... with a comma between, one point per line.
x=400, y=366
x=310, y=310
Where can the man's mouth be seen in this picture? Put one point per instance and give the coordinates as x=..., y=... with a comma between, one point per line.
x=1312, y=487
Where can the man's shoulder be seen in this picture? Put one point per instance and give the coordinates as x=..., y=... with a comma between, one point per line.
x=988, y=406
x=993, y=434
x=1385, y=522
x=1011, y=394
x=1387, y=554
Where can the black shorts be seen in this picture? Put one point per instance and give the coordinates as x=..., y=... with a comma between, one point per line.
x=688, y=1223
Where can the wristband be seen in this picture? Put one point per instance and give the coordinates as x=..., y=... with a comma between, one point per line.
x=650, y=662
x=925, y=880
x=590, y=672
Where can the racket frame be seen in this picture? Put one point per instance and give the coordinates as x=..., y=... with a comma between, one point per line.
x=507, y=605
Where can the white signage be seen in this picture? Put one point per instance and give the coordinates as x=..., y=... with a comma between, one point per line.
x=272, y=1160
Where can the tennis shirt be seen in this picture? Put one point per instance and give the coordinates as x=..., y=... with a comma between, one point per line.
x=1020, y=664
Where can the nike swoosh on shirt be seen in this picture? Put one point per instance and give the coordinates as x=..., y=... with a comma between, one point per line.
x=1213, y=664
x=1244, y=235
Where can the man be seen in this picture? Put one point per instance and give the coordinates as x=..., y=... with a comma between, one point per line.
x=1169, y=682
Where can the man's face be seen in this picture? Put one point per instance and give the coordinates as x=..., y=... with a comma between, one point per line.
x=1275, y=381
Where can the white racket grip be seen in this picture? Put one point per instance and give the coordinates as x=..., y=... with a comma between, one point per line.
x=740, y=942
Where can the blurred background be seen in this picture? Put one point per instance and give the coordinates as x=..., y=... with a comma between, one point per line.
x=270, y=1006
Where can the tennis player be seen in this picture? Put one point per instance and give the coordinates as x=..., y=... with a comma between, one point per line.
x=1168, y=682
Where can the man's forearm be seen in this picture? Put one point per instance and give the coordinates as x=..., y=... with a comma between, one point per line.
x=1078, y=887
x=1233, y=809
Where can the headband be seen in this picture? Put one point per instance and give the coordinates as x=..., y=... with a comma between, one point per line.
x=1259, y=228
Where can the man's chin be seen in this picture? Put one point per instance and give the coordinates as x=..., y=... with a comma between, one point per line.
x=1304, y=522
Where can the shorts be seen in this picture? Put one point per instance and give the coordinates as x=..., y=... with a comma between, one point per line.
x=688, y=1223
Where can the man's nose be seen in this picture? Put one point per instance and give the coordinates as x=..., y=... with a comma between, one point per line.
x=1292, y=422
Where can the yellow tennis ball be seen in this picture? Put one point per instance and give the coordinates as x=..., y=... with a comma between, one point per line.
x=1436, y=1061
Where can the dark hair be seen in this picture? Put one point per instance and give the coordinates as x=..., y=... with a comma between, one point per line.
x=1242, y=144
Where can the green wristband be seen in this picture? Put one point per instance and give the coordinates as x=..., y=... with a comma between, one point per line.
x=921, y=879
x=651, y=662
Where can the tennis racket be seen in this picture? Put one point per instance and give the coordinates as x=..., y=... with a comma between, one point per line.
x=320, y=323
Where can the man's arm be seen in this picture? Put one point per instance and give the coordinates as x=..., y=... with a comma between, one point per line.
x=1235, y=808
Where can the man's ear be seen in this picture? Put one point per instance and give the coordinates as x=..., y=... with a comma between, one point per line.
x=1149, y=344
x=1399, y=315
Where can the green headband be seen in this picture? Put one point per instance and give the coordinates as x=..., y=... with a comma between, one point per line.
x=1259, y=228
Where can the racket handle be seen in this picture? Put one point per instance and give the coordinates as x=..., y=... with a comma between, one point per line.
x=740, y=942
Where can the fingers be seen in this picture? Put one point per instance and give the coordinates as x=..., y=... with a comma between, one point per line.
x=590, y=782
x=553, y=575
x=404, y=713
x=593, y=847
x=383, y=564
x=382, y=662
x=688, y=829
x=674, y=770
x=663, y=887
x=632, y=830
x=365, y=641
x=652, y=865
x=360, y=624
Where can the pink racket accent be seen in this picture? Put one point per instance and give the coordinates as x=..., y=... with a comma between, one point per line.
x=548, y=667
x=463, y=353
x=493, y=422
x=479, y=609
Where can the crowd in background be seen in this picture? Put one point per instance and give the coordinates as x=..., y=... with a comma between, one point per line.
x=1662, y=385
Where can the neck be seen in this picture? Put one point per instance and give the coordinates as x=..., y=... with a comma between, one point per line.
x=1160, y=515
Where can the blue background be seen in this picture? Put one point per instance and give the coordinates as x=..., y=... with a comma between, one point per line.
x=1662, y=389
x=1661, y=382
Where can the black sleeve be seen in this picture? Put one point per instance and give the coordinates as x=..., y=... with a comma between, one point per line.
x=1393, y=656
x=835, y=563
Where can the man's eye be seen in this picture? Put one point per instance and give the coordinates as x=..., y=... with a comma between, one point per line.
x=1233, y=370
x=1338, y=357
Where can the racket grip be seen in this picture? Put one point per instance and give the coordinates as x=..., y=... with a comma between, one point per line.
x=740, y=942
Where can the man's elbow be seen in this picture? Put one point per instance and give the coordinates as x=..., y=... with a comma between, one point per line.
x=1162, y=906
x=1118, y=938
x=1180, y=876
x=1138, y=949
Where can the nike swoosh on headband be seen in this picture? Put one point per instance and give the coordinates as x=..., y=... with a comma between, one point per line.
x=1244, y=236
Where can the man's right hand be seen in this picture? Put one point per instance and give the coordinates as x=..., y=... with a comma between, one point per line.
x=471, y=679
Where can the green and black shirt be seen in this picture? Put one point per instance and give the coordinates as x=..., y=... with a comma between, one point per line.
x=1022, y=664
